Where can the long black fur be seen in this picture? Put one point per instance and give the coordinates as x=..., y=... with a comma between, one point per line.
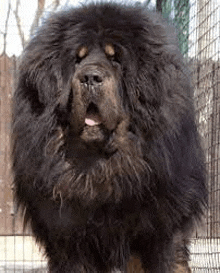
x=132, y=186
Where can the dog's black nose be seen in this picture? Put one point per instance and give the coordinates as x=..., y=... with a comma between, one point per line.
x=91, y=78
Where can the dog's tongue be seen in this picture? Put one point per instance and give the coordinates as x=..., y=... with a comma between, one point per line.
x=92, y=120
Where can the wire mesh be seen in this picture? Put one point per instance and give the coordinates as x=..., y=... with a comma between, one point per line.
x=204, y=54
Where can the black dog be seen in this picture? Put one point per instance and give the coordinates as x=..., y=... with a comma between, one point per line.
x=106, y=155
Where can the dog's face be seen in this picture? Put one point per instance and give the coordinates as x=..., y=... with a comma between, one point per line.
x=96, y=106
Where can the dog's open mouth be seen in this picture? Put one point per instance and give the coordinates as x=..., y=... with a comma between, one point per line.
x=94, y=129
x=93, y=116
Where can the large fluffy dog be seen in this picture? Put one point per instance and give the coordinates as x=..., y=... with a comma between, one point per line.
x=106, y=156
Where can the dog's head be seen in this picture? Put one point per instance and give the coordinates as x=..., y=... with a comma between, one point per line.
x=97, y=87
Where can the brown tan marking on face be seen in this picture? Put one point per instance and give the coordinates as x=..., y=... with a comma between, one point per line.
x=109, y=50
x=83, y=51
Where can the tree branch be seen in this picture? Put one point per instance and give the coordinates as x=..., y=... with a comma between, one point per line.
x=6, y=28
x=21, y=33
x=38, y=14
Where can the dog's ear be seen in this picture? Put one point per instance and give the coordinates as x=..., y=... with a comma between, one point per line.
x=40, y=74
x=163, y=81
x=48, y=63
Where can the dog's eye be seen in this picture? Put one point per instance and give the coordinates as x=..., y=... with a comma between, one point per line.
x=82, y=53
